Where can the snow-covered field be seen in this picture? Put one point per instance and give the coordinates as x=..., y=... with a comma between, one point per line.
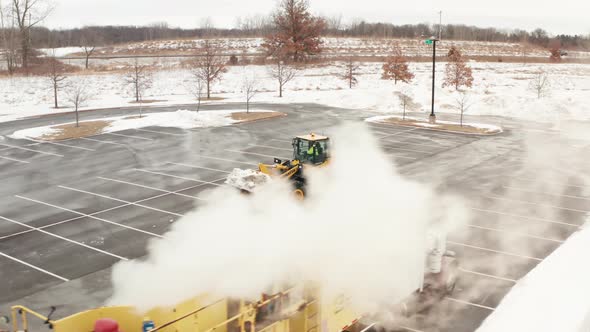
x=60, y=51
x=553, y=296
x=332, y=46
x=499, y=89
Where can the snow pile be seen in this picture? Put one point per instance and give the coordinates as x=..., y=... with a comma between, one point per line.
x=360, y=234
x=246, y=179
x=420, y=122
x=180, y=119
x=34, y=133
x=553, y=296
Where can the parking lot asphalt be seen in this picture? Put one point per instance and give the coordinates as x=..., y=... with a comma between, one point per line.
x=69, y=210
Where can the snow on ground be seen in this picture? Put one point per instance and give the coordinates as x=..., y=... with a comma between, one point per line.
x=499, y=89
x=553, y=296
x=179, y=119
x=334, y=46
x=61, y=51
x=419, y=122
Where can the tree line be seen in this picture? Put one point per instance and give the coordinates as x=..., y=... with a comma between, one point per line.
x=261, y=26
x=42, y=37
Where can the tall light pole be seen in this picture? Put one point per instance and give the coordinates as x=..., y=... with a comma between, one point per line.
x=432, y=41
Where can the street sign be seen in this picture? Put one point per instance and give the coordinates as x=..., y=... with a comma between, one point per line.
x=428, y=41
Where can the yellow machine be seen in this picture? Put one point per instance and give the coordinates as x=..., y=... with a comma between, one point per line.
x=308, y=150
x=280, y=312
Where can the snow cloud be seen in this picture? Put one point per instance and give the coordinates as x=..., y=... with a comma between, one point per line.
x=360, y=232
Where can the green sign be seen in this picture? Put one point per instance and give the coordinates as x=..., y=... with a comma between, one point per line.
x=428, y=41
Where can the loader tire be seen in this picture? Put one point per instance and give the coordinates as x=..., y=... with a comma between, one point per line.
x=299, y=194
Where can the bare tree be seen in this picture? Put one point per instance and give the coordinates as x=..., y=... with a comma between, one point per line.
x=463, y=103
x=140, y=79
x=207, y=26
x=283, y=73
x=89, y=42
x=209, y=66
x=350, y=73
x=195, y=87
x=540, y=84
x=56, y=76
x=8, y=35
x=524, y=52
x=334, y=23
x=405, y=101
x=28, y=13
x=77, y=97
x=249, y=85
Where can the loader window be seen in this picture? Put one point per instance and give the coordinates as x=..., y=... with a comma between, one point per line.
x=301, y=148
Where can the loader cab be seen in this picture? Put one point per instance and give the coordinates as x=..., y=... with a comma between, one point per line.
x=311, y=149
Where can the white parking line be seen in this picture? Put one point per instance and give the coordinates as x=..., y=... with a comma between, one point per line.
x=34, y=267
x=469, y=303
x=494, y=251
x=398, y=156
x=17, y=160
x=537, y=204
x=176, y=176
x=410, y=150
x=377, y=125
x=61, y=144
x=398, y=133
x=25, y=149
x=200, y=167
x=101, y=141
x=122, y=201
x=63, y=238
x=514, y=233
x=270, y=147
x=546, y=193
x=129, y=136
x=525, y=217
x=409, y=328
x=106, y=210
x=419, y=144
x=159, y=132
x=550, y=182
x=366, y=329
x=487, y=275
x=229, y=160
x=280, y=140
x=148, y=187
x=89, y=216
x=257, y=154
x=377, y=132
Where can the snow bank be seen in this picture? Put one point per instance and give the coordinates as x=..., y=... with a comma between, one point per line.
x=34, y=133
x=419, y=122
x=553, y=296
x=180, y=119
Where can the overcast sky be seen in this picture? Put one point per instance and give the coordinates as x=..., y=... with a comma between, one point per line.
x=564, y=16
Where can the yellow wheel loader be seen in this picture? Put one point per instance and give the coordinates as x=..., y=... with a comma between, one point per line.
x=308, y=151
